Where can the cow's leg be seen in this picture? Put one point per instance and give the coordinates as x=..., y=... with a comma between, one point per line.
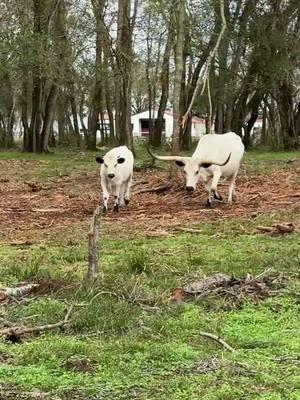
x=105, y=194
x=117, y=189
x=231, y=191
x=207, y=187
x=214, y=185
x=127, y=190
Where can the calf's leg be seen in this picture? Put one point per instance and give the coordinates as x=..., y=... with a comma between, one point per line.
x=105, y=195
x=127, y=190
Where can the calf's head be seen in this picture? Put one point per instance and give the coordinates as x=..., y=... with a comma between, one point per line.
x=191, y=167
x=110, y=164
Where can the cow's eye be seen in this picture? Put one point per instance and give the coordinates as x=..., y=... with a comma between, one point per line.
x=197, y=172
x=116, y=165
x=105, y=166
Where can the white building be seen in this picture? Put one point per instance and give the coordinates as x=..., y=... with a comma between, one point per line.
x=140, y=125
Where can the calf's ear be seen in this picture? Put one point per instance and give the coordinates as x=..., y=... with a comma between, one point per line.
x=99, y=160
x=120, y=160
x=180, y=163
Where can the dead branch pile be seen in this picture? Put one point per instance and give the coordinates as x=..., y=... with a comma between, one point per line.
x=277, y=229
x=228, y=287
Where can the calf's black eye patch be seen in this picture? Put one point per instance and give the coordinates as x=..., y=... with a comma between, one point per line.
x=120, y=160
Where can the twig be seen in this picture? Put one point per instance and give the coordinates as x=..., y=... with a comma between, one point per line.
x=264, y=273
x=294, y=359
x=139, y=183
x=18, y=331
x=217, y=339
x=158, y=189
x=190, y=230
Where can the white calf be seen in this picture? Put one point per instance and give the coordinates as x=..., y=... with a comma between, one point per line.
x=116, y=173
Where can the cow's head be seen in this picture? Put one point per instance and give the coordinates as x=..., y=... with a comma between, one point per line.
x=110, y=163
x=191, y=167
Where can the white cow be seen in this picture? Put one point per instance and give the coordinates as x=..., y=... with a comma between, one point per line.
x=116, y=173
x=216, y=156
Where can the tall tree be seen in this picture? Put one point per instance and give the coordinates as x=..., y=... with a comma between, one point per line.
x=179, y=45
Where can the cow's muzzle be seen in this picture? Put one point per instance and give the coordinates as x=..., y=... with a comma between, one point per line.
x=190, y=188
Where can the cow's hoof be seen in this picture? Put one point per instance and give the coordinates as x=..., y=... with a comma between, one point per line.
x=209, y=203
x=127, y=202
x=104, y=210
x=116, y=208
x=217, y=196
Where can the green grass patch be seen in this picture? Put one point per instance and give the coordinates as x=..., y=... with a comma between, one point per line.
x=151, y=352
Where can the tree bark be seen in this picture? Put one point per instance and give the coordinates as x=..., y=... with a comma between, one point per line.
x=179, y=45
x=164, y=80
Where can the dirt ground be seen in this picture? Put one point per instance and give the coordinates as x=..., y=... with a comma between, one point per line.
x=31, y=211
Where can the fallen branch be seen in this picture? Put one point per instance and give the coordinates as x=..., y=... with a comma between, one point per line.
x=158, y=189
x=190, y=230
x=277, y=228
x=15, y=332
x=22, y=243
x=17, y=291
x=292, y=359
x=139, y=183
x=47, y=210
x=288, y=228
x=217, y=339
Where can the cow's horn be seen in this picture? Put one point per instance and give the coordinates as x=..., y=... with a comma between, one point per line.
x=210, y=162
x=165, y=158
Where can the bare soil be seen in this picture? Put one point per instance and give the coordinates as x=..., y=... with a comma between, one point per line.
x=31, y=211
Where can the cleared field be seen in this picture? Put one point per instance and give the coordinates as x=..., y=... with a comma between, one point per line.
x=130, y=335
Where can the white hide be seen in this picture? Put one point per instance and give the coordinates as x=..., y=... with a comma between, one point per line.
x=116, y=173
x=215, y=147
x=216, y=156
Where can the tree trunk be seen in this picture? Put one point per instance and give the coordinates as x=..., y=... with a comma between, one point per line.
x=180, y=11
x=75, y=115
x=97, y=91
x=124, y=64
x=81, y=117
x=285, y=107
x=48, y=119
x=164, y=79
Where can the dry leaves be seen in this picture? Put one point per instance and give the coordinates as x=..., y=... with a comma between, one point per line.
x=72, y=199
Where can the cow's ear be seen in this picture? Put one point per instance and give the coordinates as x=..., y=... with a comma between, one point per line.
x=180, y=163
x=99, y=160
x=120, y=160
x=205, y=165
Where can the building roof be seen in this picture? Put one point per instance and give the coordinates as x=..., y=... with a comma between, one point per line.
x=195, y=120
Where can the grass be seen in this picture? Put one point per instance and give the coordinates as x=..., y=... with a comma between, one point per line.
x=136, y=342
